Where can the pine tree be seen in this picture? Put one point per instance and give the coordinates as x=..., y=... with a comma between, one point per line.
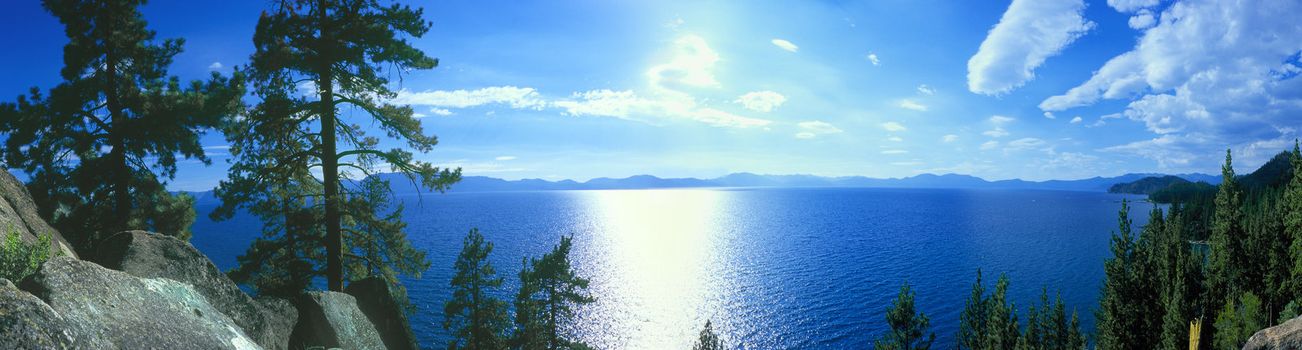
x=1225, y=261
x=550, y=289
x=1238, y=320
x=345, y=50
x=972, y=322
x=476, y=318
x=908, y=328
x=1126, y=303
x=100, y=147
x=1292, y=205
x=1002, y=330
x=708, y=340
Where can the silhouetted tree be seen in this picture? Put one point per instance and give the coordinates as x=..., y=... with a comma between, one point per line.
x=344, y=50
x=476, y=318
x=908, y=328
x=549, y=291
x=101, y=145
x=708, y=340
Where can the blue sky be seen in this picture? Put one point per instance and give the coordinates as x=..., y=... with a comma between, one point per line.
x=1049, y=89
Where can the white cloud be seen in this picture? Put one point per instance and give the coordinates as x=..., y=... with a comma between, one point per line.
x=895, y=139
x=926, y=90
x=440, y=111
x=1219, y=72
x=872, y=57
x=894, y=151
x=989, y=145
x=504, y=158
x=812, y=128
x=628, y=105
x=1029, y=32
x=215, y=66
x=996, y=132
x=1050, y=115
x=1143, y=20
x=1126, y=6
x=418, y=115
x=1026, y=143
x=893, y=126
x=999, y=119
x=1076, y=120
x=511, y=96
x=913, y=105
x=785, y=45
x=691, y=65
x=761, y=101
x=949, y=138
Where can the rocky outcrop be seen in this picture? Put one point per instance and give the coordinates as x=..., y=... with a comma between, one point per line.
x=1286, y=336
x=18, y=212
x=376, y=301
x=128, y=312
x=332, y=320
x=27, y=323
x=150, y=255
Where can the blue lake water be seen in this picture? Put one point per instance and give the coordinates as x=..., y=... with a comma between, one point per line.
x=773, y=268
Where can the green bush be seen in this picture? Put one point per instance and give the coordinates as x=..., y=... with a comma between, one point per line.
x=19, y=259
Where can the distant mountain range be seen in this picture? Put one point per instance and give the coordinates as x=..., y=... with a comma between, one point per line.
x=488, y=184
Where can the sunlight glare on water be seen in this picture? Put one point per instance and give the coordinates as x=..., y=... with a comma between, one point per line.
x=651, y=260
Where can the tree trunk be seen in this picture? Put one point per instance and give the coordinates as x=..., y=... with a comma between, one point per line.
x=121, y=174
x=329, y=162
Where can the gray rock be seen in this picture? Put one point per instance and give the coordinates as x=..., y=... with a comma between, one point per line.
x=18, y=212
x=150, y=255
x=376, y=301
x=1286, y=336
x=130, y=312
x=332, y=320
x=27, y=323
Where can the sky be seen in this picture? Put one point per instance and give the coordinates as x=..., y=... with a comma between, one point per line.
x=1030, y=89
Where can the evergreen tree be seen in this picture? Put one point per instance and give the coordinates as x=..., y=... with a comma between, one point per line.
x=1237, y=321
x=1292, y=210
x=908, y=328
x=100, y=147
x=1225, y=260
x=550, y=289
x=476, y=318
x=708, y=340
x=972, y=322
x=345, y=50
x=1125, y=315
x=1002, y=330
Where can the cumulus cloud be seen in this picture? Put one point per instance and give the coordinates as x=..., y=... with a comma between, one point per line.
x=440, y=111
x=893, y=126
x=1050, y=115
x=872, y=57
x=1126, y=6
x=761, y=101
x=1029, y=32
x=949, y=138
x=999, y=119
x=913, y=105
x=215, y=66
x=511, y=96
x=1076, y=120
x=1207, y=75
x=785, y=45
x=1142, y=20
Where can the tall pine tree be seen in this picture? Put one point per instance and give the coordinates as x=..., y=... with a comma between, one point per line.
x=346, y=50
x=1292, y=205
x=909, y=329
x=101, y=146
x=1225, y=262
x=550, y=289
x=476, y=318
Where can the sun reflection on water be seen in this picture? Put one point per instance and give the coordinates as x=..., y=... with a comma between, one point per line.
x=651, y=259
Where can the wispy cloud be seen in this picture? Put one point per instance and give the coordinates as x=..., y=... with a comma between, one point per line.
x=785, y=45
x=893, y=126
x=691, y=65
x=1029, y=32
x=505, y=158
x=949, y=138
x=813, y=128
x=872, y=57
x=894, y=151
x=511, y=96
x=913, y=105
x=926, y=90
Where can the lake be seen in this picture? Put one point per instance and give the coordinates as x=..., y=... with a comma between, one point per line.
x=773, y=268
